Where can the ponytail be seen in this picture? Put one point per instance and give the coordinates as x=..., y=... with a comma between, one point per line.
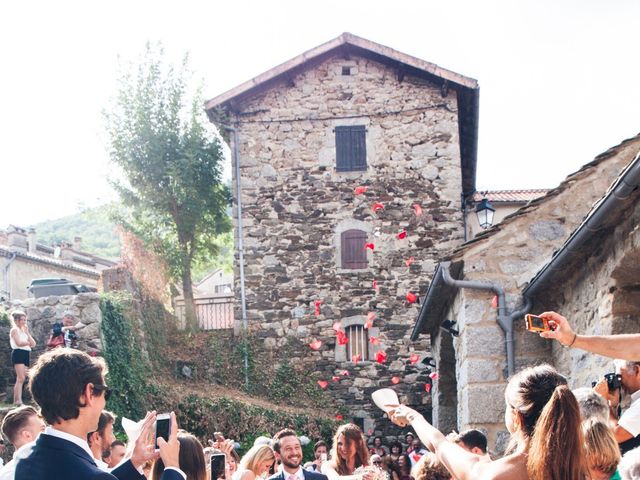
x=556, y=448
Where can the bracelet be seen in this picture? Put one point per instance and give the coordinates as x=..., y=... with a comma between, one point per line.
x=575, y=335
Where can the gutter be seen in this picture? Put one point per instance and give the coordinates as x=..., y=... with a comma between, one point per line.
x=5, y=274
x=627, y=182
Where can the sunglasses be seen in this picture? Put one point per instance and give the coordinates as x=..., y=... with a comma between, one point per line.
x=103, y=388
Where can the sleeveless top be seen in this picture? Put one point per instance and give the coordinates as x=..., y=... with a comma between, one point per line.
x=23, y=337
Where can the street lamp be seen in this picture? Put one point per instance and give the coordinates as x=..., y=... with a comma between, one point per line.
x=485, y=211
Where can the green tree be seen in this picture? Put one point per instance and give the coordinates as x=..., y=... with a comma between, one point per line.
x=171, y=161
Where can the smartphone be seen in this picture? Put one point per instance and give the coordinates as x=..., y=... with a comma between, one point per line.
x=163, y=427
x=535, y=323
x=323, y=457
x=217, y=466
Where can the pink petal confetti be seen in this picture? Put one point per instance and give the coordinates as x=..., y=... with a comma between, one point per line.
x=402, y=235
x=335, y=378
x=323, y=384
x=427, y=387
x=337, y=326
x=370, y=432
x=381, y=356
x=316, y=345
x=395, y=380
x=338, y=417
x=371, y=316
x=411, y=297
x=414, y=358
x=345, y=373
x=342, y=338
x=494, y=301
x=376, y=207
x=360, y=190
x=368, y=324
x=356, y=358
x=409, y=261
x=317, y=305
x=374, y=341
x=418, y=209
x=433, y=375
x=370, y=246
x=375, y=284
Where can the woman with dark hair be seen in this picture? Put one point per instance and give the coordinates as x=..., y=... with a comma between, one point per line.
x=392, y=460
x=404, y=467
x=348, y=453
x=377, y=448
x=191, y=459
x=546, y=436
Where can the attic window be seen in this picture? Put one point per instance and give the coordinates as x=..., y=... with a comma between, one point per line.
x=346, y=70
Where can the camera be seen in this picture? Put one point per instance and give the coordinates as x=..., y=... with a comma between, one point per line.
x=614, y=381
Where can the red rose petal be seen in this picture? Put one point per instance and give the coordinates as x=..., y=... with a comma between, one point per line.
x=374, y=340
x=395, y=380
x=335, y=378
x=342, y=338
x=338, y=417
x=418, y=210
x=414, y=358
x=409, y=261
x=337, y=326
x=370, y=432
x=427, y=387
x=375, y=284
x=356, y=358
x=368, y=324
x=345, y=373
x=494, y=301
x=360, y=190
x=381, y=356
x=317, y=305
x=433, y=375
x=370, y=246
x=323, y=384
x=411, y=297
x=402, y=235
x=316, y=345
x=376, y=207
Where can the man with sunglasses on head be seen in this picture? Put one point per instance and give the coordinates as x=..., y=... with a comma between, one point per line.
x=70, y=389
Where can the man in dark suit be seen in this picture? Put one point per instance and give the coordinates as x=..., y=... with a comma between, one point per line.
x=69, y=387
x=288, y=450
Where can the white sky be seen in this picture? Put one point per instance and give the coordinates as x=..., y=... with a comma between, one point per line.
x=560, y=79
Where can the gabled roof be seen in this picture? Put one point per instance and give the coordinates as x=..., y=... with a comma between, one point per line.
x=466, y=88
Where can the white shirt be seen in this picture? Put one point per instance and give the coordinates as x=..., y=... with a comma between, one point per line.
x=299, y=474
x=630, y=419
x=23, y=337
x=8, y=472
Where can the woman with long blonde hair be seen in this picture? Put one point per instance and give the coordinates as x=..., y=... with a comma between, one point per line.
x=543, y=418
x=21, y=344
x=255, y=463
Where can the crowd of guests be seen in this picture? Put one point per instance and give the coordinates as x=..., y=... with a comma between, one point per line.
x=556, y=433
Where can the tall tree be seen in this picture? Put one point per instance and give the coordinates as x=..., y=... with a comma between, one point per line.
x=171, y=162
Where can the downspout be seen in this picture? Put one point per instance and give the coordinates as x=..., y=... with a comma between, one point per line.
x=243, y=297
x=505, y=320
x=5, y=274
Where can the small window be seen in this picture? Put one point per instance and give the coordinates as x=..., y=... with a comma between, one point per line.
x=354, y=253
x=346, y=70
x=358, y=342
x=351, y=148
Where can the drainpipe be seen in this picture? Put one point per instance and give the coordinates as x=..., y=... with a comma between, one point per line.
x=243, y=298
x=5, y=274
x=505, y=320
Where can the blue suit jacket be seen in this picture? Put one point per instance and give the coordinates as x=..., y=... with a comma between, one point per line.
x=54, y=458
x=307, y=476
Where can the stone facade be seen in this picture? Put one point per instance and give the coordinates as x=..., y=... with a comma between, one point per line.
x=597, y=295
x=296, y=205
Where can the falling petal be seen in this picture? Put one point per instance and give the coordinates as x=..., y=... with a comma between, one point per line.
x=345, y=373
x=377, y=232
x=414, y=358
x=409, y=261
x=411, y=297
x=323, y=384
x=370, y=246
x=418, y=210
x=335, y=378
x=374, y=341
x=395, y=380
x=337, y=326
x=368, y=324
x=338, y=417
x=375, y=284
x=376, y=207
x=356, y=358
x=360, y=190
x=402, y=235
x=381, y=356
x=370, y=432
x=427, y=387
x=317, y=305
x=316, y=345
x=494, y=301
x=433, y=375
x=342, y=338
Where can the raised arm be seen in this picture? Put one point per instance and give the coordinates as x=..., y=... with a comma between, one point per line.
x=625, y=346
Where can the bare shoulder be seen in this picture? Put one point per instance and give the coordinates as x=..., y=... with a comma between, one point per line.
x=247, y=475
x=512, y=467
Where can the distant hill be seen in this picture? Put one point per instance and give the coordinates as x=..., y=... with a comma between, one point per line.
x=92, y=225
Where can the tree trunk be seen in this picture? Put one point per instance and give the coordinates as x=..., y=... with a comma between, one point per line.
x=191, y=320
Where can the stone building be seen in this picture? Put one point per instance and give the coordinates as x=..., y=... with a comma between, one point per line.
x=23, y=258
x=574, y=250
x=313, y=248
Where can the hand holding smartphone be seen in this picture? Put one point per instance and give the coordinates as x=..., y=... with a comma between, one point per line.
x=163, y=427
x=218, y=466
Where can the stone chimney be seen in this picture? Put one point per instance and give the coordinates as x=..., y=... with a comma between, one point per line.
x=66, y=252
x=17, y=238
x=32, y=240
x=77, y=243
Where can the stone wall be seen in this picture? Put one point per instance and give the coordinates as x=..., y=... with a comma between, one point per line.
x=295, y=204
x=510, y=258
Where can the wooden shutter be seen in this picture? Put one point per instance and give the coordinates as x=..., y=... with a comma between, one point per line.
x=351, y=148
x=354, y=255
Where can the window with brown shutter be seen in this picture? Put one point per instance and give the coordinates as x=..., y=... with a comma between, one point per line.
x=354, y=255
x=351, y=148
